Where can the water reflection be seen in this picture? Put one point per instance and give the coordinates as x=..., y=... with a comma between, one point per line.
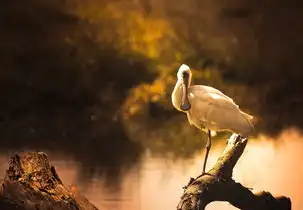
x=156, y=183
x=99, y=148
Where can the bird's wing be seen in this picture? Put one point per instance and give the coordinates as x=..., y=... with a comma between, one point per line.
x=211, y=96
x=212, y=90
x=216, y=111
x=209, y=106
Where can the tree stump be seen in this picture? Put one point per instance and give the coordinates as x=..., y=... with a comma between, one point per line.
x=31, y=183
x=217, y=185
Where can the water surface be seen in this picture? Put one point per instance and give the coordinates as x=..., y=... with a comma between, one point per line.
x=156, y=183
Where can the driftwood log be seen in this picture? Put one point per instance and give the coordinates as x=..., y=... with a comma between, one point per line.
x=217, y=185
x=31, y=183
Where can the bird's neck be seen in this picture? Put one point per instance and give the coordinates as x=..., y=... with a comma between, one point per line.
x=177, y=95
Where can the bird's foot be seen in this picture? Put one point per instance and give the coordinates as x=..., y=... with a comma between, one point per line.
x=205, y=173
x=191, y=180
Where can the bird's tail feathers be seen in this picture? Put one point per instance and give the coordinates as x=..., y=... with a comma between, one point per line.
x=250, y=119
x=247, y=116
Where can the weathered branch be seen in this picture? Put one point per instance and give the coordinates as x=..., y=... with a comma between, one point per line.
x=218, y=185
x=31, y=183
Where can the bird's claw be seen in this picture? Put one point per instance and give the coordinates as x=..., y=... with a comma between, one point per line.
x=205, y=173
x=191, y=180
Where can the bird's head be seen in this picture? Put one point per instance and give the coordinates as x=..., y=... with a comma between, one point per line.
x=184, y=72
x=184, y=76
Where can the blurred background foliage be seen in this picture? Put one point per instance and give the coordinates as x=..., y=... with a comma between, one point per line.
x=100, y=72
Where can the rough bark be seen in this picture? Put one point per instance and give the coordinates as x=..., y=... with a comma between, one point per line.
x=31, y=183
x=217, y=185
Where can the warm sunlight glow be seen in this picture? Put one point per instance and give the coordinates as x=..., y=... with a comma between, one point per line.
x=266, y=164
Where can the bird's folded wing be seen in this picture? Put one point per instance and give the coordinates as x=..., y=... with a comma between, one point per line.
x=221, y=101
x=212, y=96
x=210, y=107
x=212, y=90
x=200, y=89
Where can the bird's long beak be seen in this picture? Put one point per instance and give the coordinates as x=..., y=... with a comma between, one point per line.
x=185, y=105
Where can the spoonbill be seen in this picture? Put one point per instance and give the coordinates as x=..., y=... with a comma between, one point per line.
x=208, y=108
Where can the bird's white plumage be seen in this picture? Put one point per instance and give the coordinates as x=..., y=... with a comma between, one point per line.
x=210, y=108
x=183, y=68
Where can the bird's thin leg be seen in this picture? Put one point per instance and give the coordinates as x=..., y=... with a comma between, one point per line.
x=208, y=146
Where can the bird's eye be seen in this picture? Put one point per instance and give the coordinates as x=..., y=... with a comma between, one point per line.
x=185, y=74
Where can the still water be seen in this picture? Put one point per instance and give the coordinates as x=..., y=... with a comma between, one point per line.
x=156, y=183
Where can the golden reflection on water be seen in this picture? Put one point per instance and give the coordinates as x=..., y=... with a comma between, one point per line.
x=268, y=165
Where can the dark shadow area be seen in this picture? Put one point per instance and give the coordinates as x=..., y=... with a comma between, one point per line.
x=99, y=149
x=60, y=91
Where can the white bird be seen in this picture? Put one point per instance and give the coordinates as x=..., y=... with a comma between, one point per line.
x=208, y=108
